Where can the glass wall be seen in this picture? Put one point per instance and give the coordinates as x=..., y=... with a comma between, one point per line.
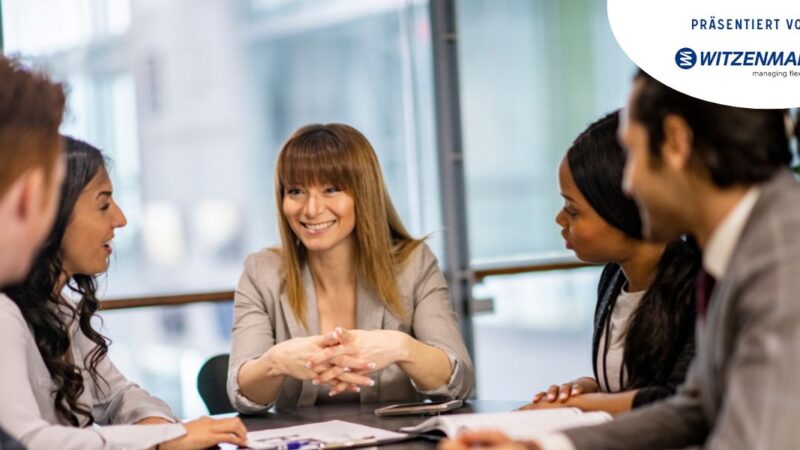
x=534, y=74
x=162, y=348
x=540, y=332
x=192, y=100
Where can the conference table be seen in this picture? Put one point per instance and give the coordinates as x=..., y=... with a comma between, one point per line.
x=364, y=414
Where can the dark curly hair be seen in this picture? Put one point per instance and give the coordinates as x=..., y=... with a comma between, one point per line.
x=44, y=308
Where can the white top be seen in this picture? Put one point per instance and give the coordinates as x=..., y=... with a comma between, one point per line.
x=27, y=409
x=716, y=257
x=626, y=305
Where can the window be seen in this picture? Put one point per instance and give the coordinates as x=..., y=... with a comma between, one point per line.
x=192, y=100
x=534, y=74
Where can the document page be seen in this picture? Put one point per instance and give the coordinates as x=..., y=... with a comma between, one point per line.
x=334, y=434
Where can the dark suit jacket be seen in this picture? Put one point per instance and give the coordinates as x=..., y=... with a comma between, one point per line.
x=680, y=348
x=742, y=391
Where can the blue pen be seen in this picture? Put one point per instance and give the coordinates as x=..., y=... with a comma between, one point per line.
x=274, y=443
x=298, y=444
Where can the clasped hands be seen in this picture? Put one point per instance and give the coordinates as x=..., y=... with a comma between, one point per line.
x=341, y=359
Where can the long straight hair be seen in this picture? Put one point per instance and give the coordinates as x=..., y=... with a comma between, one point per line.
x=340, y=155
x=47, y=312
x=666, y=311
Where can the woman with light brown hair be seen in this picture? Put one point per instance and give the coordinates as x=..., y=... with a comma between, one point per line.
x=350, y=307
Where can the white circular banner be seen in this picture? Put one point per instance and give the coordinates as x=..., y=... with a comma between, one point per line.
x=735, y=52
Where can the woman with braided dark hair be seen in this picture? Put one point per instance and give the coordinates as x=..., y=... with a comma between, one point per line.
x=57, y=380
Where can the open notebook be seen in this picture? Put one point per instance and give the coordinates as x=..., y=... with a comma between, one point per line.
x=517, y=424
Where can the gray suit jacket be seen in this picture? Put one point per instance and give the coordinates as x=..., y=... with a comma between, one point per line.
x=263, y=317
x=743, y=389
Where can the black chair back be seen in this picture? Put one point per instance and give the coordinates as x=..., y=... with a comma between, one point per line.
x=211, y=381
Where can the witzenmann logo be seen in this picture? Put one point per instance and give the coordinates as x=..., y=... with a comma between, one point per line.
x=686, y=58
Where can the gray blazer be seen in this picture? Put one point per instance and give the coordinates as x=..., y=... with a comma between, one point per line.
x=262, y=317
x=743, y=390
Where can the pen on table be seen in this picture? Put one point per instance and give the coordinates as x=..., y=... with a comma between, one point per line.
x=274, y=442
x=300, y=444
x=277, y=438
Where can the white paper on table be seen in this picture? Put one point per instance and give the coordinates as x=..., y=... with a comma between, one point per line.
x=331, y=431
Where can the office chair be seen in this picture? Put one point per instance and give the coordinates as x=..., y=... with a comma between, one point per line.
x=211, y=382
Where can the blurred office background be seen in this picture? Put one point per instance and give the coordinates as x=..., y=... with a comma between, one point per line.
x=192, y=100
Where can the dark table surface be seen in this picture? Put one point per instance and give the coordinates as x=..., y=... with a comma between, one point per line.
x=364, y=414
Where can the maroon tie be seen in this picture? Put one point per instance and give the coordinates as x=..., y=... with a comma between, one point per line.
x=705, y=286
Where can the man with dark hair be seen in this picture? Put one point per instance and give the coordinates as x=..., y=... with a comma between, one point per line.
x=720, y=174
x=31, y=170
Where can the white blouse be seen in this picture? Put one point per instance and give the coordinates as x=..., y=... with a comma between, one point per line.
x=626, y=305
x=27, y=409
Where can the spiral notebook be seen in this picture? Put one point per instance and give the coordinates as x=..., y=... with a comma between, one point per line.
x=517, y=424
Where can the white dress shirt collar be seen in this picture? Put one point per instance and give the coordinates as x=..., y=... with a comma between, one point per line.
x=723, y=240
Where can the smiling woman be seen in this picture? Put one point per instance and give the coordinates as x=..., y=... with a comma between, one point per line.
x=87, y=241
x=323, y=217
x=56, y=380
x=350, y=301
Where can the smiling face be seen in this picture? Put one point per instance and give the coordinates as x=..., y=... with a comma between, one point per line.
x=87, y=239
x=323, y=217
x=584, y=231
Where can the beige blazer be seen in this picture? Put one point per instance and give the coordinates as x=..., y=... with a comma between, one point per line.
x=263, y=318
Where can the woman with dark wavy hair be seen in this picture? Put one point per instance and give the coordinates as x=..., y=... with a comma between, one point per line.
x=57, y=380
